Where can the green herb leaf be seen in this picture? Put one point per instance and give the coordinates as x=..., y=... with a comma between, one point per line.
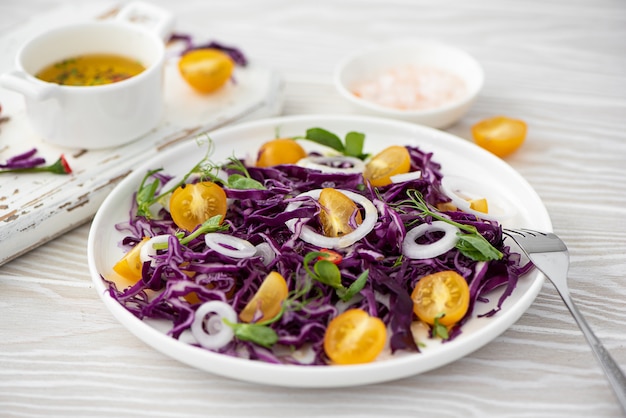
x=327, y=273
x=255, y=333
x=210, y=225
x=239, y=182
x=146, y=194
x=351, y=147
x=476, y=247
x=354, y=144
x=439, y=330
x=356, y=286
x=398, y=261
x=323, y=137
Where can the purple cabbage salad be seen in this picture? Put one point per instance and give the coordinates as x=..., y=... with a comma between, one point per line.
x=257, y=213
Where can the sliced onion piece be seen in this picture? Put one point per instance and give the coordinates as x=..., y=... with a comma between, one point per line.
x=415, y=251
x=309, y=235
x=147, y=251
x=240, y=247
x=265, y=251
x=213, y=333
x=331, y=164
x=402, y=178
x=460, y=189
x=305, y=354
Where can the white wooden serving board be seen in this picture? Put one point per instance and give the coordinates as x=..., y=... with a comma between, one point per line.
x=35, y=208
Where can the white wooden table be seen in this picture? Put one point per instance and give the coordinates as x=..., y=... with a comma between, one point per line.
x=559, y=65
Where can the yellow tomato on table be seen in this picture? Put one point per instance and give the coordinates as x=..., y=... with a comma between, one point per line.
x=193, y=204
x=354, y=337
x=206, y=70
x=388, y=163
x=443, y=295
x=500, y=135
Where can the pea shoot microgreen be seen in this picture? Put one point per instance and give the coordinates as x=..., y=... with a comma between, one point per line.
x=147, y=193
x=260, y=333
x=352, y=146
x=239, y=181
x=213, y=224
x=210, y=225
x=471, y=243
x=328, y=273
x=398, y=261
x=439, y=330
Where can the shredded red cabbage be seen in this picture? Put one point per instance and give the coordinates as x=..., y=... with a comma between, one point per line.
x=259, y=216
x=236, y=54
x=26, y=159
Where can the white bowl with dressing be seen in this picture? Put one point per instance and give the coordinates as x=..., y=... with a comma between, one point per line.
x=95, y=116
x=425, y=82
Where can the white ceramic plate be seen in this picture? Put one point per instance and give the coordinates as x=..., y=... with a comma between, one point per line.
x=457, y=156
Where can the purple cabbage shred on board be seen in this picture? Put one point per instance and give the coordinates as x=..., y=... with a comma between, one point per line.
x=26, y=159
x=180, y=278
x=235, y=53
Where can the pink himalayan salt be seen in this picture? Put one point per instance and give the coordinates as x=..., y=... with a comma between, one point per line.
x=412, y=88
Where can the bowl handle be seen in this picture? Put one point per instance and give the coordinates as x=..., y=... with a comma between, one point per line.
x=18, y=82
x=154, y=18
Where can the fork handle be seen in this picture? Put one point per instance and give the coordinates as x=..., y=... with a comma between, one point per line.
x=614, y=373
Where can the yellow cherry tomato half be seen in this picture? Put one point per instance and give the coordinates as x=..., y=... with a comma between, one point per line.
x=129, y=267
x=337, y=210
x=193, y=204
x=268, y=299
x=206, y=70
x=444, y=292
x=354, y=337
x=479, y=205
x=279, y=151
x=499, y=135
x=390, y=162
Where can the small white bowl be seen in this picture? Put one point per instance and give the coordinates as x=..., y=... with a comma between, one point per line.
x=101, y=116
x=371, y=62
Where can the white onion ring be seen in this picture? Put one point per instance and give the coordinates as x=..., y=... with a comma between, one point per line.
x=309, y=235
x=242, y=248
x=216, y=334
x=401, y=178
x=460, y=188
x=147, y=250
x=415, y=251
x=317, y=163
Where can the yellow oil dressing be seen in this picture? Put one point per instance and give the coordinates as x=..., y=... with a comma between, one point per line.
x=91, y=70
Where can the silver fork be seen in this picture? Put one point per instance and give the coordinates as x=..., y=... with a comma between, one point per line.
x=549, y=254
